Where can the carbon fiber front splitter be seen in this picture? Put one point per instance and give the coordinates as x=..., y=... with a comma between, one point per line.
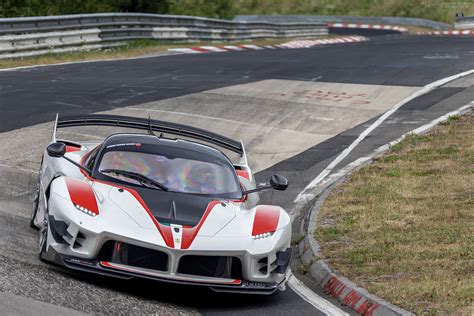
x=110, y=270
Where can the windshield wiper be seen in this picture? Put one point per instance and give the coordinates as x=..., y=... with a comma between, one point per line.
x=144, y=180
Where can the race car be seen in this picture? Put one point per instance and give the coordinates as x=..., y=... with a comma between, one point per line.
x=165, y=204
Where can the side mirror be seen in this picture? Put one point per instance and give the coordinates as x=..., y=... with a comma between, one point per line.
x=56, y=150
x=278, y=182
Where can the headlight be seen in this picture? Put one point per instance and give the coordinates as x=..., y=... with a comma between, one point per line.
x=84, y=210
x=263, y=235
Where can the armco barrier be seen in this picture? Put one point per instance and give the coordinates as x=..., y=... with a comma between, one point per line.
x=463, y=23
x=36, y=35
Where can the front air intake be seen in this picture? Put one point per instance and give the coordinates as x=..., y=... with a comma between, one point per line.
x=211, y=266
x=132, y=255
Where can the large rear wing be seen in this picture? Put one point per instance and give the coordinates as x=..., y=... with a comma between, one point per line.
x=150, y=125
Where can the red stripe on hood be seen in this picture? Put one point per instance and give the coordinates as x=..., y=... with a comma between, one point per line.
x=190, y=233
x=82, y=194
x=164, y=230
x=266, y=219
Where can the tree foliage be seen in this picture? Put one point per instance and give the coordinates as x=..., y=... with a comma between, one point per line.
x=430, y=9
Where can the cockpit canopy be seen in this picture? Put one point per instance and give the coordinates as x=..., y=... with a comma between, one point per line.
x=179, y=165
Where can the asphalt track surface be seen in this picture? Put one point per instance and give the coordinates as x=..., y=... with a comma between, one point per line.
x=34, y=95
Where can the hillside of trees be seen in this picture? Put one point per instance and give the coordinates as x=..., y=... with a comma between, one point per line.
x=226, y=9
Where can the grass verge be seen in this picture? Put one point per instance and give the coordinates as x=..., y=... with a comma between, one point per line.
x=403, y=227
x=134, y=48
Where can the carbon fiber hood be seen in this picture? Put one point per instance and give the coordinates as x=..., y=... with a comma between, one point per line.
x=170, y=207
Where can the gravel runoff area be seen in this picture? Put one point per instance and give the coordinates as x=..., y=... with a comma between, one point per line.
x=403, y=227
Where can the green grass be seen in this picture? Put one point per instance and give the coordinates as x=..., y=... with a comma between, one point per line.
x=403, y=227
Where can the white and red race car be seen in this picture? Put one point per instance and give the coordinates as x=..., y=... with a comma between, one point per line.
x=170, y=209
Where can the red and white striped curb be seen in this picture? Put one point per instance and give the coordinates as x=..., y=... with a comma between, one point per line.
x=458, y=32
x=291, y=44
x=336, y=40
x=367, y=26
x=220, y=49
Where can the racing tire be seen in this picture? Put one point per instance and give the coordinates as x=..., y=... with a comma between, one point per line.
x=34, y=211
x=43, y=239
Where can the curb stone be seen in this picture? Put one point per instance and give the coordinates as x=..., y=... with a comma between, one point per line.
x=339, y=287
x=345, y=291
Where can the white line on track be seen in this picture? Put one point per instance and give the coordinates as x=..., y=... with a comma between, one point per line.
x=306, y=195
x=312, y=298
x=231, y=47
x=213, y=48
x=87, y=61
x=19, y=168
x=69, y=104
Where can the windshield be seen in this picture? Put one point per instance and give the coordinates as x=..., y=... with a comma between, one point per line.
x=176, y=174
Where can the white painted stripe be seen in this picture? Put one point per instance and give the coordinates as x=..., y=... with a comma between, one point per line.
x=314, y=299
x=252, y=47
x=269, y=47
x=418, y=131
x=304, y=195
x=184, y=50
x=352, y=25
x=337, y=25
x=377, y=26
x=19, y=168
x=424, y=128
x=85, y=62
x=231, y=47
x=213, y=48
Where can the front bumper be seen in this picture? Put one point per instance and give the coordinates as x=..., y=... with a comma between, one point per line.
x=76, y=241
x=110, y=269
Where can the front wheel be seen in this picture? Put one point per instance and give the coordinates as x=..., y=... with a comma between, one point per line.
x=36, y=201
x=43, y=239
x=34, y=211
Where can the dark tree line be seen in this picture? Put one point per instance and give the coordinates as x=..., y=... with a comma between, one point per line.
x=228, y=8
x=210, y=8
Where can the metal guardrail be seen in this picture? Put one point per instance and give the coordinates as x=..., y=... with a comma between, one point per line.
x=39, y=35
x=464, y=23
x=345, y=19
